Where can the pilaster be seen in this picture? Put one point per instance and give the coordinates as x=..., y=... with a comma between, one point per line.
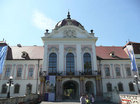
x=79, y=57
x=61, y=57
x=94, y=57
x=45, y=58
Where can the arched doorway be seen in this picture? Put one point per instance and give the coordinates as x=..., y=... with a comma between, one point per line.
x=89, y=87
x=70, y=90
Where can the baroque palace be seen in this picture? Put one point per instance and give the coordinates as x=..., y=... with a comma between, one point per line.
x=68, y=65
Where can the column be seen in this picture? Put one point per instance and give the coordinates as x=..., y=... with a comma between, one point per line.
x=98, y=85
x=79, y=58
x=25, y=71
x=45, y=58
x=94, y=57
x=61, y=58
x=82, y=86
x=59, y=88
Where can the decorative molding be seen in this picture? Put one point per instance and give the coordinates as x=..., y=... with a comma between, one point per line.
x=86, y=49
x=53, y=49
x=70, y=49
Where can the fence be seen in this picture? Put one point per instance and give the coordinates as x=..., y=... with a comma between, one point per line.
x=28, y=99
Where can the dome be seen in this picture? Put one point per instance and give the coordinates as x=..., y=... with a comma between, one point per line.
x=68, y=21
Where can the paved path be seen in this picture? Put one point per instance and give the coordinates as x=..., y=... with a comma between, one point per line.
x=72, y=103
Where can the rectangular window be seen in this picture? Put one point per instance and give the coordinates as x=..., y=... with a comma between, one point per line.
x=107, y=71
x=139, y=70
x=31, y=70
x=128, y=71
x=118, y=72
x=7, y=73
x=19, y=72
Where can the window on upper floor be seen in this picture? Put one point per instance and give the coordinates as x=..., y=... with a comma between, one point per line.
x=128, y=71
x=87, y=64
x=16, y=88
x=109, y=87
x=31, y=71
x=52, y=63
x=120, y=86
x=4, y=89
x=7, y=72
x=131, y=86
x=139, y=70
x=70, y=63
x=118, y=73
x=107, y=71
x=19, y=71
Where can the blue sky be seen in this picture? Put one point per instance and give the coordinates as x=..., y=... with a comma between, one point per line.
x=114, y=21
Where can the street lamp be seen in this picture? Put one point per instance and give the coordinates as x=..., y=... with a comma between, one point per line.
x=137, y=82
x=10, y=84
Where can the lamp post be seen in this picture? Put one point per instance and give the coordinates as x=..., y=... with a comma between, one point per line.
x=9, y=83
x=137, y=82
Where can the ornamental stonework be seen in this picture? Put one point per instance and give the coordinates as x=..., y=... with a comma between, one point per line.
x=69, y=33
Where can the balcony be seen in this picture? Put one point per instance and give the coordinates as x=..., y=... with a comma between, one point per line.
x=68, y=73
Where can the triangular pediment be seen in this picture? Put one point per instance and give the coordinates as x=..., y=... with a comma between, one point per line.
x=70, y=32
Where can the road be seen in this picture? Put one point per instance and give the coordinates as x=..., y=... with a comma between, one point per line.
x=72, y=103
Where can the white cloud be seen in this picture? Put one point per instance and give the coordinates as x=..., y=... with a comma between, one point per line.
x=43, y=22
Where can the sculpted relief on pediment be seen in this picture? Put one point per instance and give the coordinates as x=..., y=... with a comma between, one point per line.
x=69, y=33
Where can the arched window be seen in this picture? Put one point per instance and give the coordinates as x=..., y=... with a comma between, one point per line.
x=87, y=63
x=120, y=86
x=118, y=73
x=131, y=87
x=29, y=89
x=16, y=88
x=109, y=87
x=70, y=63
x=4, y=89
x=52, y=63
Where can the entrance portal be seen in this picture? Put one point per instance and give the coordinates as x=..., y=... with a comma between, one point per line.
x=89, y=87
x=70, y=90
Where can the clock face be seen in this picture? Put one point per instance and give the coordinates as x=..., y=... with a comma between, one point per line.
x=70, y=33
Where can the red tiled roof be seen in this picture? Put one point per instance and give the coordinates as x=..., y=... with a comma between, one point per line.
x=37, y=52
x=103, y=52
x=34, y=52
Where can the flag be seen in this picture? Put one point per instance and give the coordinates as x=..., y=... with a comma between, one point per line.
x=130, y=52
x=3, y=52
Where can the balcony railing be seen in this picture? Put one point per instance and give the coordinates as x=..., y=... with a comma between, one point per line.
x=76, y=73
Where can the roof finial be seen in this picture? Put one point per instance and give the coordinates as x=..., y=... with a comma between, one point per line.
x=68, y=16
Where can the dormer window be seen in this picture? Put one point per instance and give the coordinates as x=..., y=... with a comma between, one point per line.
x=112, y=54
x=25, y=55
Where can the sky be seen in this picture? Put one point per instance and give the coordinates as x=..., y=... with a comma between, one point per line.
x=114, y=22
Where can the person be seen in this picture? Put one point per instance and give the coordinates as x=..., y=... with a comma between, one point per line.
x=87, y=100
x=92, y=99
x=83, y=99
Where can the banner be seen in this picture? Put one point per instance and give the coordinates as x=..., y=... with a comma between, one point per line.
x=129, y=51
x=3, y=52
x=50, y=88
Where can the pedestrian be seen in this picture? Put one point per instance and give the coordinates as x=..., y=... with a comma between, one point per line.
x=87, y=100
x=92, y=99
x=83, y=99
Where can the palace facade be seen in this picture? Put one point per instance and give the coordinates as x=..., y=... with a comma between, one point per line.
x=71, y=56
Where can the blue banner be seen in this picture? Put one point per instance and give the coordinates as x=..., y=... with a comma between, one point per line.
x=3, y=52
